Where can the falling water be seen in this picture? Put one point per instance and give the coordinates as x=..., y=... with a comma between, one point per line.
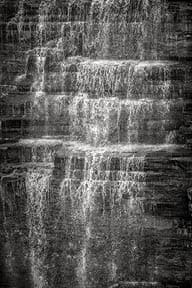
x=96, y=68
x=111, y=78
x=37, y=185
x=18, y=21
x=100, y=121
x=105, y=180
x=12, y=199
x=40, y=55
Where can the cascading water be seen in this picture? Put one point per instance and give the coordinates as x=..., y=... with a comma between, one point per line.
x=37, y=186
x=100, y=198
x=96, y=190
x=129, y=121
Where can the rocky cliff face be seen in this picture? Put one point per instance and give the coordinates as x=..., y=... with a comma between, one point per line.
x=95, y=144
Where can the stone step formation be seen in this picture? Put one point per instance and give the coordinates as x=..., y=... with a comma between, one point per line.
x=95, y=144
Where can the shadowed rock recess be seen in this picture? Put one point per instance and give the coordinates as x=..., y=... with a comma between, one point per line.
x=95, y=144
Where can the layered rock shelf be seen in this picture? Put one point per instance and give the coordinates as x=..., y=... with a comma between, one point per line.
x=95, y=144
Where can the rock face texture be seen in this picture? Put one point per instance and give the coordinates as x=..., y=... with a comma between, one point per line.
x=95, y=144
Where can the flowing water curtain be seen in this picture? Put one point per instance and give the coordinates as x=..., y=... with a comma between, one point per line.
x=95, y=31
x=126, y=79
x=76, y=119
x=127, y=214
x=104, y=78
x=37, y=187
x=98, y=121
x=41, y=51
x=130, y=20
x=90, y=118
x=108, y=78
x=15, y=242
x=101, y=190
x=16, y=22
x=144, y=117
x=42, y=154
x=18, y=29
x=21, y=78
x=38, y=84
x=72, y=38
x=7, y=207
x=43, y=28
x=60, y=31
x=39, y=78
x=113, y=187
x=82, y=197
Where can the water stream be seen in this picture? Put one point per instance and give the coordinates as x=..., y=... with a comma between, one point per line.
x=96, y=76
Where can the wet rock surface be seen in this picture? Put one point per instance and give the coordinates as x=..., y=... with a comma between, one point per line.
x=95, y=144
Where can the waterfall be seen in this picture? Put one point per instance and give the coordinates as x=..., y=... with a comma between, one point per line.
x=96, y=185
x=98, y=178
x=37, y=185
x=18, y=21
x=15, y=244
x=99, y=121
